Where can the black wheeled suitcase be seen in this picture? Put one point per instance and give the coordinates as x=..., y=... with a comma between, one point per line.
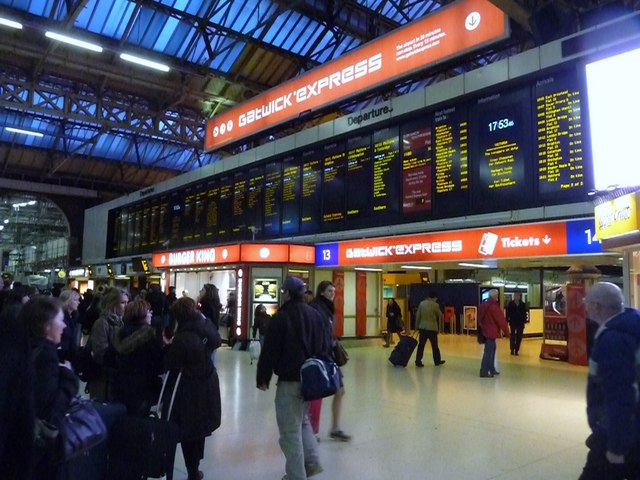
x=402, y=352
x=93, y=464
x=145, y=447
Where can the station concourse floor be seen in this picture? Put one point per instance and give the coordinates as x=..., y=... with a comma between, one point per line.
x=433, y=423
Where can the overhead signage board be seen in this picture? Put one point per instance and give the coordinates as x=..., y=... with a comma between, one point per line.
x=529, y=240
x=450, y=31
x=248, y=252
x=619, y=216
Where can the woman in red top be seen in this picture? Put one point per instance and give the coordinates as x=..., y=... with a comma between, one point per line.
x=492, y=321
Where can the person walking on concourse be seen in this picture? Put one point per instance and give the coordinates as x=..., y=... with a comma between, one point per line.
x=613, y=407
x=491, y=321
x=294, y=329
x=428, y=318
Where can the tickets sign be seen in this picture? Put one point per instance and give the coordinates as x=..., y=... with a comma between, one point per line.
x=530, y=240
x=450, y=31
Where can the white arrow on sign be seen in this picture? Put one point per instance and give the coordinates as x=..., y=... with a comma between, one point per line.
x=546, y=239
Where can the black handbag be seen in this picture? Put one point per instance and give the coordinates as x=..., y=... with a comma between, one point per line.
x=340, y=354
x=81, y=428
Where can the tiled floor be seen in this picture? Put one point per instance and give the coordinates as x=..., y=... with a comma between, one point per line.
x=441, y=423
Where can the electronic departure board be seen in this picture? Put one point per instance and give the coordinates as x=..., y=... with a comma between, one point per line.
x=213, y=198
x=501, y=147
x=272, y=194
x=416, y=168
x=225, y=208
x=358, y=179
x=333, y=188
x=514, y=147
x=255, y=195
x=238, y=218
x=188, y=214
x=451, y=158
x=290, y=201
x=310, y=212
x=199, y=219
x=177, y=209
x=385, y=194
x=561, y=171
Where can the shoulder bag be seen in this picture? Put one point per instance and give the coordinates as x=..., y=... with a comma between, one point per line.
x=340, y=354
x=80, y=429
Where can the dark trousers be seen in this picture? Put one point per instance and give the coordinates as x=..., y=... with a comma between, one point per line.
x=432, y=336
x=517, y=330
x=193, y=451
x=598, y=468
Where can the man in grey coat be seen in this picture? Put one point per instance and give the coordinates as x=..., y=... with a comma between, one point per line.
x=428, y=317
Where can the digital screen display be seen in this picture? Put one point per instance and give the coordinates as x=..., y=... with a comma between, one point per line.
x=291, y=174
x=177, y=209
x=386, y=173
x=358, y=206
x=333, y=189
x=213, y=198
x=272, y=196
x=225, y=208
x=561, y=169
x=451, y=158
x=199, y=212
x=238, y=221
x=501, y=129
x=614, y=102
x=311, y=161
x=510, y=148
x=187, y=216
x=255, y=193
x=416, y=168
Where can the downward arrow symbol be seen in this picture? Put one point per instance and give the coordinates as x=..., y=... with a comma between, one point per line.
x=546, y=239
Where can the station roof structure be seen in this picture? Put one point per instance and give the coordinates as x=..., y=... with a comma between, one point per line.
x=113, y=126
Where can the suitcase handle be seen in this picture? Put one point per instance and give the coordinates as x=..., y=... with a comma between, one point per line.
x=165, y=380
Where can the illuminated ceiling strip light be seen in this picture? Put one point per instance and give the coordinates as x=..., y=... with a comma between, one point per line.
x=414, y=267
x=24, y=132
x=367, y=269
x=474, y=265
x=10, y=23
x=144, y=62
x=74, y=41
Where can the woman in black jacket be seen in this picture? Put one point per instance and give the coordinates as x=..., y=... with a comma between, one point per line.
x=197, y=405
x=210, y=303
x=55, y=384
x=138, y=360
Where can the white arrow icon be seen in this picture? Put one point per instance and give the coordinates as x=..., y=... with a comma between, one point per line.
x=546, y=239
x=472, y=21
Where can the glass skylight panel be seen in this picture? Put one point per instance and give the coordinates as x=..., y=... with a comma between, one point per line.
x=165, y=33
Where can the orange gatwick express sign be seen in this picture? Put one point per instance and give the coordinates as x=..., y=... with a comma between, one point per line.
x=450, y=31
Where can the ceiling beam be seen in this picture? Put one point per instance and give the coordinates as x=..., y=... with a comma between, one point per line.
x=516, y=11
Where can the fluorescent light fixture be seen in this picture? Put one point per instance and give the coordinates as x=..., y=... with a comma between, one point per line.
x=143, y=61
x=497, y=283
x=1, y=227
x=474, y=265
x=74, y=41
x=24, y=132
x=6, y=220
x=523, y=286
x=511, y=285
x=415, y=267
x=367, y=269
x=10, y=23
x=31, y=202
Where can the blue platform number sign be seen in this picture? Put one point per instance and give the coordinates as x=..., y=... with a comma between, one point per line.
x=581, y=237
x=327, y=255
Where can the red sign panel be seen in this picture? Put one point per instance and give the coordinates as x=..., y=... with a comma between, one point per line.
x=577, y=324
x=248, y=252
x=197, y=256
x=338, y=303
x=449, y=31
x=533, y=240
x=361, y=303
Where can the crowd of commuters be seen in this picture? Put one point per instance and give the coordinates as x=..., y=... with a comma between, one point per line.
x=40, y=337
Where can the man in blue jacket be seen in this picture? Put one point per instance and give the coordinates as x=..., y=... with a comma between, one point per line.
x=613, y=407
x=295, y=332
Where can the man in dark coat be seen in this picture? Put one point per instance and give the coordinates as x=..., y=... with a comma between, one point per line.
x=517, y=317
x=613, y=407
x=296, y=332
